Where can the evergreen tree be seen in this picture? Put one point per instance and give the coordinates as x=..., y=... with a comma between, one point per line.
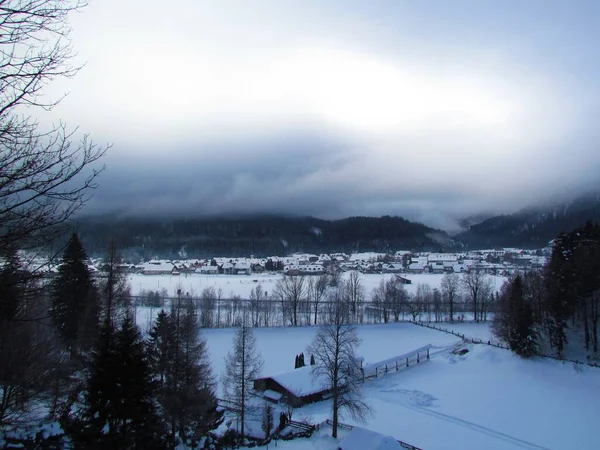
x=73, y=305
x=312, y=360
x=181, y=365
x=242, y=365
x=159, y=346
x=119, y=406
x=514, y=321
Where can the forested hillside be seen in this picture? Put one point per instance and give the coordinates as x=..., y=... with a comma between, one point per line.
x=532, y=227
x=258, y=235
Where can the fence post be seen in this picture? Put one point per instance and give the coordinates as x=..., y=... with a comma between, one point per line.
x=418, y=361
x=406, y=362
x=427, y=353
x=396, y=366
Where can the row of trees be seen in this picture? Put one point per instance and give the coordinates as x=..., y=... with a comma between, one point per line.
x=79, y=351
x=304, y=300
x=557, y=308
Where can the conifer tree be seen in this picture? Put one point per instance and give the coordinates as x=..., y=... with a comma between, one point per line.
x=242, y=365
x=73, y=306
x=119, y=409
x=159, y=346
x=182, y=368
x=514, y=321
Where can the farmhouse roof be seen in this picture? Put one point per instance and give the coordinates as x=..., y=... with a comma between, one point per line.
x=361, y=438
x=300, y=382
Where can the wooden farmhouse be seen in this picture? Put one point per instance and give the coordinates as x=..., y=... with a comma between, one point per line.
x=296, y=387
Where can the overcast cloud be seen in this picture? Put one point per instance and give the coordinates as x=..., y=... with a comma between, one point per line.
x=429, y=110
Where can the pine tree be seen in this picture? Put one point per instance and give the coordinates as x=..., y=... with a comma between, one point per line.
x=119, y=406
x=181, y=365
x=74, y=309
x=312, y=360
x=159, y=346
x=514, y=321
x=242, y=365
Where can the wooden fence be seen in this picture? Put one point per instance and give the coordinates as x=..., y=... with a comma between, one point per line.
x=396, y=363
x=499, y=344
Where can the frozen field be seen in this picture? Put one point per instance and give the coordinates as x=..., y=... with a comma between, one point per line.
x=279, y=346
x=486, y=399
x=242, y=284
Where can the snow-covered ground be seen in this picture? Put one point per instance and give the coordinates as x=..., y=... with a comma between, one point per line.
x=481, y=330
x=242, y=284
x=279, y=346
x=486, y=399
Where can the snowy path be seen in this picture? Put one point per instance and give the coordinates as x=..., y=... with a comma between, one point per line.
x=402, y=401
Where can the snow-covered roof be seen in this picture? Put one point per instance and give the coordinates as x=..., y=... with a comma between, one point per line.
x=361, y=439
x=156, y=266
x=301, y=381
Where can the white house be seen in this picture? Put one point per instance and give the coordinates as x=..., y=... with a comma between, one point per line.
x=158, y=268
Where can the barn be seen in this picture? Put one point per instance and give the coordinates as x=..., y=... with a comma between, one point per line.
x=296, y=387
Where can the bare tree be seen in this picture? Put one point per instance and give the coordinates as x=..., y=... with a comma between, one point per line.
x=242, y=365
x=208, y=299
x=437, y=305
x=291, y=290
x=317, y=289
x=114, y=288
x=44, y=177
x=396, y=296
x=379, y=301
x=424, y=297
x=28, y=348
x=336, y=365
x=450, y=291
x=256, y=299
x=415, y=307
x=477, y=287
x=355, y=295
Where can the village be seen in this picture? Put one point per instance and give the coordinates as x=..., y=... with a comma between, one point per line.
x=500, y=262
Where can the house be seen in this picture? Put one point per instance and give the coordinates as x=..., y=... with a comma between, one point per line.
x=208, y=270
x=361, y=439
x=227, y=268
x=436, y=267
x=403, y=280
x=158, y=268
x=296, y=387
x=311, y=269
x=392, y=268
x=416, y=268
x=241, y=268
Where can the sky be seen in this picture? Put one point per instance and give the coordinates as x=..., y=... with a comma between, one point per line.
x=433, y=110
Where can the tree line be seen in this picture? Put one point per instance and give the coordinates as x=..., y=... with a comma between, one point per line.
x=142, y=239
x=556, y=309
x=304, y=300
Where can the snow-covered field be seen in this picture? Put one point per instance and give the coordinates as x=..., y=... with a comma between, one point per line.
x=486, y=399
x=242, y=284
